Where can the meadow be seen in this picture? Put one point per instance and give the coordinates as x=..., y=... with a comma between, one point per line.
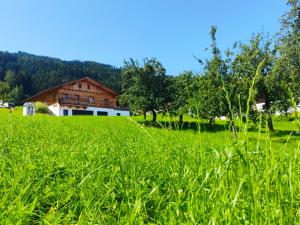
x=118, y=170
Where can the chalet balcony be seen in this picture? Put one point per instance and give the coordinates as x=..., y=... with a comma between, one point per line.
x=74, y=102
x=85, y=102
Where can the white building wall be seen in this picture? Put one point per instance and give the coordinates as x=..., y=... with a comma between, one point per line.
x=59, y=110
x=54, y=109
x=111, y=112
x=260, y=107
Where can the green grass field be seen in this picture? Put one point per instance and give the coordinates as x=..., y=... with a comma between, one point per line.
x=115, y=170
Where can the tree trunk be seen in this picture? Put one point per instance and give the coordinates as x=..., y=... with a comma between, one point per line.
x=269, y=114
x=180, y=119
x=233, y=128
x=211, y=122
x=270, y=122
x=154, y=116
x=145, y=114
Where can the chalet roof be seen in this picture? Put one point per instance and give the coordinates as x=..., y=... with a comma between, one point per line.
x=97, y=84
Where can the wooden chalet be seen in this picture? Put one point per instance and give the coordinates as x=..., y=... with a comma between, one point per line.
x=81, y=97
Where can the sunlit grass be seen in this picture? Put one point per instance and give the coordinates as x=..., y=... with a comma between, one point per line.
x=112, y=170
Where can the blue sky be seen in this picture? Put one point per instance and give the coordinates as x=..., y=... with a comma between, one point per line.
x=113, y=30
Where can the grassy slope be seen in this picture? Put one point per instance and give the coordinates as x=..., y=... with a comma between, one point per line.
x=113, y=170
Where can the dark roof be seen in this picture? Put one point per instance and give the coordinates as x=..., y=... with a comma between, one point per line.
x=72, y=82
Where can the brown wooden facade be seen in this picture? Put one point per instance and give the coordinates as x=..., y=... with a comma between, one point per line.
x=79, y=94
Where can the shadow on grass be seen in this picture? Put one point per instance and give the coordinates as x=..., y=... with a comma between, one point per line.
x=196, y=126
x=205, y=126
x=280, y=133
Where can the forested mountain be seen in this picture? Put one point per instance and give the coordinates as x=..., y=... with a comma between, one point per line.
x=31, y=73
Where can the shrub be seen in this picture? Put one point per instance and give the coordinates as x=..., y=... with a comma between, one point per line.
x=41, y=107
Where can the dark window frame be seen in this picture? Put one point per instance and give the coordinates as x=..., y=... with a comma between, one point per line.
x=102, y=113
x=65, y=112
x=105, y=101
x=91, y=100
x=79, y=112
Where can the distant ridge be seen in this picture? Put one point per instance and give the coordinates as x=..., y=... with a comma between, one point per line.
x=36, y=73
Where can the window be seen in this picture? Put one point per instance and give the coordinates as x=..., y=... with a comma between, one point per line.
x=118, y=114
x=91, y=100
x=66, y=112
x=105, y=101
x=102, y=113
x=88, y=86
x=79, y=85
x=77, y=97
x=78, y=112
x=54, y=98
x=66, y=96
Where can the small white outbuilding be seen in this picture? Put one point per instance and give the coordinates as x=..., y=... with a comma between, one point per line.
x=28, y=109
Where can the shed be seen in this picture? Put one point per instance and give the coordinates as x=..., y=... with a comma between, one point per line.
x=28, y=109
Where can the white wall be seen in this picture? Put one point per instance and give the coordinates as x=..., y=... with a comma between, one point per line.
x=54, y=109
x=111, y=112
x=260, y=107
x=58, y=110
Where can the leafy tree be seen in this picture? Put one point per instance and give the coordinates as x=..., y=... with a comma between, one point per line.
x=287, y=66
x=144, y=87
x=131, y=94
x=244, y=67
x=10, y=78
x=208, y=100
x=180, y=93
x=41, y=107
x=10, y=88
x=16, y=95
x=4, y=90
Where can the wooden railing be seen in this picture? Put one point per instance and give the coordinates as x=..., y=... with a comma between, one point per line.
x=85, y=102
x=76, y=102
